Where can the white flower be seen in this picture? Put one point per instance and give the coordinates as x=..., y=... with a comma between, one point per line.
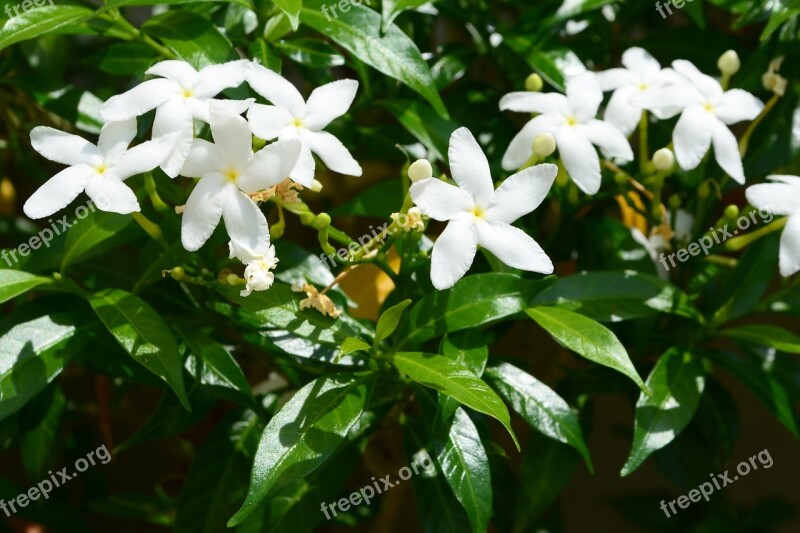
x=180, y=95
x=259, y=264
x=291, y=117
x=99, y=170
x=479, y=214
x=229, y=172
x=642, y=74
x=571, y=120
x=782, y=198
x=706, y=112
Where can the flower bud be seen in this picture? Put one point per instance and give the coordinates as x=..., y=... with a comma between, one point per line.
x=307, y=219
x=543, y=145
x=420, y=169
x=534, y=83
x=177, y=273
x=663, y=159
x=323, y=221
x=674, y=201
x=732, y=212
x=729, y=63
x=620, y=178
x=703, y=191
x=316, y=186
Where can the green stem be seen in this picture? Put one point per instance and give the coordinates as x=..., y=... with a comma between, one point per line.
x=644, y=149
x=151, y=229
x=737, y=243
x=745, y=140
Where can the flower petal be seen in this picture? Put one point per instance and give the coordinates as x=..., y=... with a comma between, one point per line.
x=204, y=158
x=64, y=148
x=453, y=253
x=332, y=152
x=707, y=85
x=530, y=102
x=775, y=198
x=666, y=102
x=329, y=102
x=139, y=100
x=610, y=140
x=469, y=166
x=584, y=95
x=213, y=79
x=143, y=157
x=616, y=78
x=439, y=200
x=580, y=158
x=692, y=137
x=276, y=89
x=115, y=138
x=246, y=224
x=513, y=247
x=789, y=255
x=58, y=192
x=180, y=72
x=268, y=121
x=620, y=112
x=783, y=178
x=304, y=169
x=270, y=165
x=737, y=105
x=203, y=210
x=639, y=60
x=521, y=193
x=174, y=117
x=232, y=136
x=110, y=194
x=521, y=147
x=726, y=151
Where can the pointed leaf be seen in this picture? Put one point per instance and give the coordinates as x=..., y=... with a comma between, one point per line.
x=388, y=321
x=15, y=282
x=766, y=335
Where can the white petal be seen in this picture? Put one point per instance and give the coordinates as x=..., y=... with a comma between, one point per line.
x=203, y=210
x=329, y=102
x=303, y=172
x=200, y=107
x=174, y=117
x=726, y=151
x=439, y=200
x=178, y=71
x=453, y=253
x=789, y=256
x=615, y=78
x=332, y=152
x=584, y=95
x=110, y=194
x=244, y=221
x=692, y=137
x=609, y=139
x=530, y=102
x=521, y=193
x=521, y=147
x=232, y=136
x=737, y=105
x=621, y=113
x=580, y=158
x=115, y=138
x=143, y=157
x=775, y=198
x=64, y=148
x=639, y=60
x=270, y=165
x=268, y=121
x=513, y=247
x=783, y=178
x=58, y=192
x=140, y=99
x=276, y=89
x=213, y=79
x=666, y=102
x=203, y=158
x=469, y=167
x=707, y=85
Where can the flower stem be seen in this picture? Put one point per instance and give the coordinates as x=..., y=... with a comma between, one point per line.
x=644, y=149
x=745, y=140
x=150, y=228
x=737, y=243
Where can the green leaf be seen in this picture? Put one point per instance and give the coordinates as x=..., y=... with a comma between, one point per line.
x=587, y=338
x=454, y=380
x=143, y=334
x=304, y=434
x=615, y=296
x=392, y=8
x=261, y=51
x=677, y=383
x=379, y=200
x=93, y=235
x=39, y=446
x=292, y=10
x=766, y=335
x=192, y=36
x=539, y=406
x=352, y=344
x=359, y=32
x=467, y=347
x=311, y=52
x=428, y=127
x=474, y=301
x=388, y=321
x=41, y=21
x=465, y=466
x=125, y=59
x=115, y=4
x=15, y=282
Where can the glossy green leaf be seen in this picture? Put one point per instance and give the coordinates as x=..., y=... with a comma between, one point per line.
x=39, y=444
x=677, y=383
x=352, y=344
x=587, y=338
x=311, y=52
x=389, y=320
x=40, y=21
x=125, y=59
x=115, y=4
x=540, y=406
x=192, y=36
x=92, y=235
x=467, y=347
x=15, y=282
x=292, y=10
x=455, y=380
x=304, y=434
x=143, y=334
x=428, y=127
x=766, y=335
x=391, y=8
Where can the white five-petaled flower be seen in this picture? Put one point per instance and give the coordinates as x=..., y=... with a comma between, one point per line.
x=179, y=95
x=291, y=117
x=571, y=120
x=782, y=198
x=642, y=74
x=706, y=111
x=229, y=172
x=477, y=214
x=99, y=170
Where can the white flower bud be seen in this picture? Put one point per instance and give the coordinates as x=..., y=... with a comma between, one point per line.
x=729, y=63
x=543, y=145
x=663, y=159
x=420, y=169
x=534, y=83
x=316, y=186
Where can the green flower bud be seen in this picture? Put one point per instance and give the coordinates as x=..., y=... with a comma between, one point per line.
x=534, y=83
x=703, y=191
x=674, y=201
x=663, y=159
x=732, y=212
x=322, y=221
x=621, y=178
x=729, y=63
x=177, y=273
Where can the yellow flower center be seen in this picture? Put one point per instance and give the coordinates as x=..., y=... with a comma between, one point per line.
x=232, y=175
x=188, y=93
x=572, y=121
x=298, y=122
x=643, y=86
x=101, y=168
x=477, y=212
x=708, y=106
